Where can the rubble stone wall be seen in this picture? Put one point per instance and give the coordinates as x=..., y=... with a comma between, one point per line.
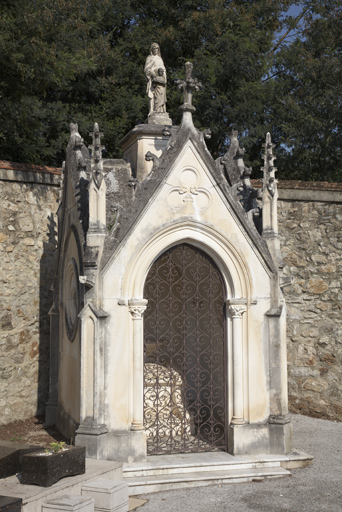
x=311, y=244
x=311, y=240
x=28, y=253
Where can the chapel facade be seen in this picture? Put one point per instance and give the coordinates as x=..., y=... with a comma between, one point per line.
x=168, y=320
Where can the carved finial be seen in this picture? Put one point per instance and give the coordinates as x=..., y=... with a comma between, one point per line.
x=269, y=202
x=269, y=170
x=188, y=86
x=61, y=182
x=96, y=155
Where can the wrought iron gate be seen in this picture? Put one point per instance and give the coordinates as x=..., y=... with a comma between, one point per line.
x=184, y=367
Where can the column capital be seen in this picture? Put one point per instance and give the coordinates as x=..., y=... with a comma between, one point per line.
x=137, y=307
x=237, y=311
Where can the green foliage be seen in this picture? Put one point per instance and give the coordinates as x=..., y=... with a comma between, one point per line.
x=70, y=60
x=307, y=97
x=15, y=438
x=55, y=447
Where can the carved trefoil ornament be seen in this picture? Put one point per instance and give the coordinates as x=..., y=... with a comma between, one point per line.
x=189, y=192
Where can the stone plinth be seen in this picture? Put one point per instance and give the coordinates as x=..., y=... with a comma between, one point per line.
x=69, y=503
x=9, y=504
x=108, y=495
x=158, y=118
x=139, y=141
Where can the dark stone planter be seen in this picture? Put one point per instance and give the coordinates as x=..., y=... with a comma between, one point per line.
x=46, y=470
x=11, y=456
x=10, y=504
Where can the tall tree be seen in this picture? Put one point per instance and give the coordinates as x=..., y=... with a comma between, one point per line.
x=70, y=60
x=306, y=100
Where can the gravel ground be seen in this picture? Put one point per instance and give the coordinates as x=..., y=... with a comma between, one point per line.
x=316, y=488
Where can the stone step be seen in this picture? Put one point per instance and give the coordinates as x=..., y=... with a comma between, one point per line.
x=211, y=461
x=165, y=482
x=197, y=468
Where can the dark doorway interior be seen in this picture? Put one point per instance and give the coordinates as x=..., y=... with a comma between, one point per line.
x=185, y=360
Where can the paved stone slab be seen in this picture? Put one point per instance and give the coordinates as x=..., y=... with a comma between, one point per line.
x=134, y=503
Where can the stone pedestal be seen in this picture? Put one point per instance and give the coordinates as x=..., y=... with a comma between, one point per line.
x=139, y=141
x=274, y=437
x=127, y=446
x=281, y=435
x=248, y=439
x=94, y=439
x=158, y=118
x=69, y=504
x=108, y=495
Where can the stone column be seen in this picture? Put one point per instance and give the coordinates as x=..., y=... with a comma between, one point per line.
x=237, y=309
x=137, y=308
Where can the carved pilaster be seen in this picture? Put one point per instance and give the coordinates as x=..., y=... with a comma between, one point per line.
x=236, y=310
x=137, y=308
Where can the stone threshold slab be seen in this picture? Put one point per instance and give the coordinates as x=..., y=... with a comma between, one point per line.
x=34, y=496
x=150, y=484
x=210, y=461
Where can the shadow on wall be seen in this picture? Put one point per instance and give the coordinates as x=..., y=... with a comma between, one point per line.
x=47, y=272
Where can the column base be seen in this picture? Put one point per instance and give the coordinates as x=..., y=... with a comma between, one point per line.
x=127, y=446
x=94, y=438
x=137, y=426
x=248, y=439
x=238, y=421
x=274, y=437
x=281, y=435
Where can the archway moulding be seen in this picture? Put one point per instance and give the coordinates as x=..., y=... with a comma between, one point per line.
x=231, y=263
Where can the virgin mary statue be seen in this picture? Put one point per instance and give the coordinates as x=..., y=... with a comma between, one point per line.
x=153, y=63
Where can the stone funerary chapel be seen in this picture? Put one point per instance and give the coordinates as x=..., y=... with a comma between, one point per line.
x=168, y=319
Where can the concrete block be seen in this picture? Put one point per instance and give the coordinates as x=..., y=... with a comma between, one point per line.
x=109, y=495
x=69, y=503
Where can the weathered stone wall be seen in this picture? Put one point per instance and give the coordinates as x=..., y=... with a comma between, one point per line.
x=27, y=252
x=311, y=241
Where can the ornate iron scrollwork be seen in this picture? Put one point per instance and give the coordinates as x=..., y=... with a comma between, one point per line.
x=185, y=360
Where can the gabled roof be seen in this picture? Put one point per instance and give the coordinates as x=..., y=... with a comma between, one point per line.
x=147, y=190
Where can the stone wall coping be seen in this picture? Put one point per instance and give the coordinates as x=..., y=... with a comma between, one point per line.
x=29, y=173
x=297, y=190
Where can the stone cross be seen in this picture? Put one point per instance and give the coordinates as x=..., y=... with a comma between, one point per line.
x=188, y=86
